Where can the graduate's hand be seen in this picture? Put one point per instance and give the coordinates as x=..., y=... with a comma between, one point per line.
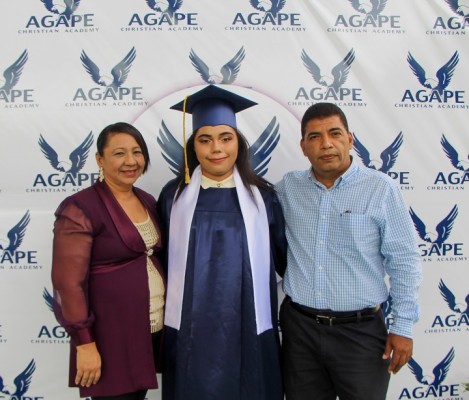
x=88, y=365
x=399, y=348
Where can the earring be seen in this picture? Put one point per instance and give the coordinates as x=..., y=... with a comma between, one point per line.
x=101, y=174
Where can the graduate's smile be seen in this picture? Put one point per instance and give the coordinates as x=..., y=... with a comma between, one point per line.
x=216, y=148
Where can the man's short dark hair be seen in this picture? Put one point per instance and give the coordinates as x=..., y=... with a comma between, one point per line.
x=321, y=111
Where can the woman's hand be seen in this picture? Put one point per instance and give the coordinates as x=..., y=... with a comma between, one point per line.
x=88, y=365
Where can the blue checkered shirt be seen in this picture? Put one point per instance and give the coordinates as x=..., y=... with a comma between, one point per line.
x=343, y=241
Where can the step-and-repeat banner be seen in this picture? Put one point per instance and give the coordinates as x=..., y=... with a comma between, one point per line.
x=399, y=69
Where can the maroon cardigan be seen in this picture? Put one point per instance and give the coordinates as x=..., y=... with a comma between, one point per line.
x=101, y=287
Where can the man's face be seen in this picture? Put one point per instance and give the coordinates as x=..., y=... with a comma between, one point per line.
x=327, y=145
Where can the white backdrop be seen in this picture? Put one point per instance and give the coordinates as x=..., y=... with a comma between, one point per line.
x=398, y=68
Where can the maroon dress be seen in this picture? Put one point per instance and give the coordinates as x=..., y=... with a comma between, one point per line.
x=101, y=294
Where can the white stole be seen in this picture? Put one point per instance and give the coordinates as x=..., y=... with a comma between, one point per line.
x=257, y=232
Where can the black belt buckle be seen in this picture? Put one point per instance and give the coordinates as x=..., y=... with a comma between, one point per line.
x=321, y=319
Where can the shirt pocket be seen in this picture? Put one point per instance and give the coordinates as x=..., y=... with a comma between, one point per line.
x=354, y=232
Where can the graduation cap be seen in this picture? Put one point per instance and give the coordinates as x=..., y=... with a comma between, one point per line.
x=211, y=106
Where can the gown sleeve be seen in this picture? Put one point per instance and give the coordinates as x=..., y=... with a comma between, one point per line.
x=278, y=241
x=73, y=239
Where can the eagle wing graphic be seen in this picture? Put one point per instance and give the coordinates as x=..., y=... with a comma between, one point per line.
x=263, y=147
x=451, y=153
x=445, y=73
x=443, y=229
x=121, y=70
x=387, y=306
x=312, y=68
x=172, y=151
x=356, y=5
x=454, y=5
x=79, y=155
x=418, y=71
x=48, y=298
x=419, y=226
x=416, y=369
x=200, y=67
x=448, y=295
x=91, y=68
x=362, y=151
x=13, y=72
x=49, y=153
x=378, y=7
x=49, y=4
x=16, y=234
x=230, y=70
x=23, y=380
x=341, y=70
x=389, y=155
x=441, y=370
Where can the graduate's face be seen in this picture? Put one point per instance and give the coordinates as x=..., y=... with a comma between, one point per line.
x=122, y=161
x=216, y=148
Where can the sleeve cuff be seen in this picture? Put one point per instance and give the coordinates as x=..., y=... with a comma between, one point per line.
x=402, y=327
x=82, y=336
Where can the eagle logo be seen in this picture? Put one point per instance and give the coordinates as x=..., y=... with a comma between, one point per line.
x=12, y=74
x=443, y=229
x=369, y=7
x=388, y=155
x=48, y=299
x=63, y=7
x=439, y=372
x=119, y=72
x=260, y=152
x=164, y=6
x=450, y=299
x=443, y=75
x=387, y=307
x=16, y=234
x=20, y=384
x=77, y=157
x=228, y=72
x=268, y=6
x=453, y=155
x=339, y=72
x=460, y=7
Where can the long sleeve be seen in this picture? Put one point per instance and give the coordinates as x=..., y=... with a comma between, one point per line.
x=72, y=245
x=278, y=241
x=399, y=247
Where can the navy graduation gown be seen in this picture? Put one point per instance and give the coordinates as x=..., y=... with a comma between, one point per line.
x=217, y=353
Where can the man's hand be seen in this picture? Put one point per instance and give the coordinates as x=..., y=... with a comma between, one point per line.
x=399, y=348
x=88, y=365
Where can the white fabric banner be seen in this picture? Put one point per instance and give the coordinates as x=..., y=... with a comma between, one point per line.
x=397, y=68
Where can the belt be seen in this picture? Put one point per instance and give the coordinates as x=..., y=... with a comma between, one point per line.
x=334, y=318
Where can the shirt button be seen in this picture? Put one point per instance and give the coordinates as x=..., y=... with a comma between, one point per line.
x=323, y=216
x=321, y=268
x=321, y=242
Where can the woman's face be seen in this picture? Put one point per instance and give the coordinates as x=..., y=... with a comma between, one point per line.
x=122, y=161
x=216, y=148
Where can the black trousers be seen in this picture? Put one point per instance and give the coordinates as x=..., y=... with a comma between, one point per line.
x=322, y=362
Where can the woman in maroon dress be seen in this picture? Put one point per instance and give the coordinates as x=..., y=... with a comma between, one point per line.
x=109, y=287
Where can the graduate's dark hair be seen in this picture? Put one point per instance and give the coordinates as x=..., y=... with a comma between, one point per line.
x=123, y=127
x=248, y=176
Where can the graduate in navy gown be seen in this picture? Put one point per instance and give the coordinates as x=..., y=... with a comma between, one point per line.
x=226, y=241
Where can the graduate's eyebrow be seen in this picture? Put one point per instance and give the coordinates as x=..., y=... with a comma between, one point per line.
x=210, y=136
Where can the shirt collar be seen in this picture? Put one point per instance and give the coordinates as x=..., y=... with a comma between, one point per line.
x=344, y=178
x=210, y=183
